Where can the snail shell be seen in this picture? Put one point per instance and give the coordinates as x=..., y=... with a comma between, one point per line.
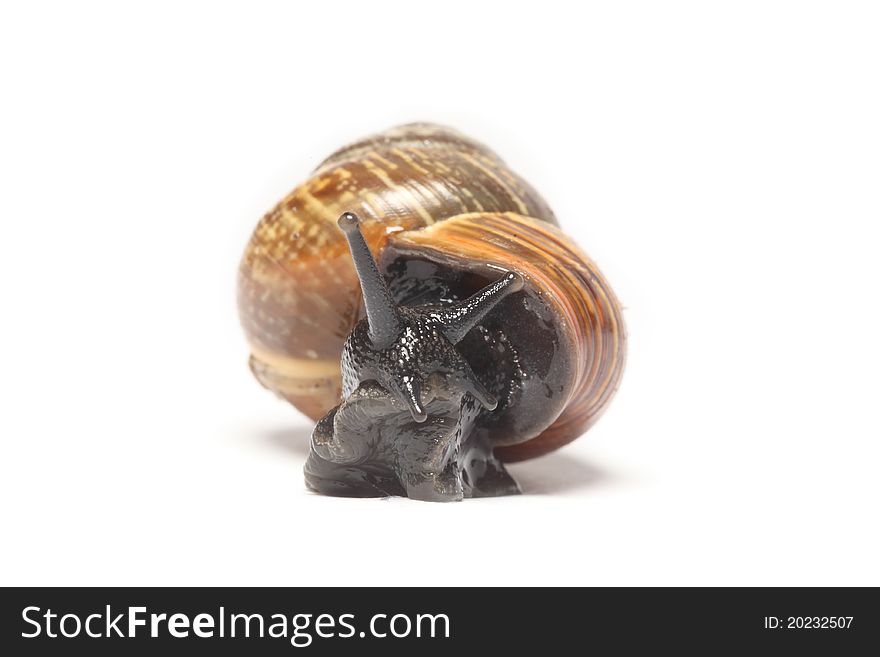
x=443, y=215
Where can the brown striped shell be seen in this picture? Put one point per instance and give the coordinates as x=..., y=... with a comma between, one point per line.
x=426, y=193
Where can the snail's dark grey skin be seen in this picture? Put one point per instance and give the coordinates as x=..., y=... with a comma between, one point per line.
x=411, y=398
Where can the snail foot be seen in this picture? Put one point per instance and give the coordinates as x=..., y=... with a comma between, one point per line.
x=370, y=446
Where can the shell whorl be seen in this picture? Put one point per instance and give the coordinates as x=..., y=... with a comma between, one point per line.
x=298, y=293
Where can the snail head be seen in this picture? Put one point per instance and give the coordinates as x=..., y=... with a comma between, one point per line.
x=399, y=347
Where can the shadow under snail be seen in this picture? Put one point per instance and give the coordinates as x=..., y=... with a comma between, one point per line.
x=416, y=298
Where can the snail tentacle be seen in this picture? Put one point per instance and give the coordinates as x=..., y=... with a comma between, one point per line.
x=460, y=376
x=409, y=390
x=470, y=384
x=457, y=320
x=381, y=312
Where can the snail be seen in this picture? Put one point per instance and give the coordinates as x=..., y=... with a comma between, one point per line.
x=416, y=299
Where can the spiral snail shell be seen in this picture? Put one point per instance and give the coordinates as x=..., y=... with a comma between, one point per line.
x=516, y=341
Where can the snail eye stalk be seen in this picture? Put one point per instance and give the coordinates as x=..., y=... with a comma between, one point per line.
x=382, y=315
x=457, y=320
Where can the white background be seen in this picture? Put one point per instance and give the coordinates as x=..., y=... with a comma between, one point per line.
x=720, y=161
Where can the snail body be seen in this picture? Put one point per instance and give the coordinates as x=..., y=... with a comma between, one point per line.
x=444, y=326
